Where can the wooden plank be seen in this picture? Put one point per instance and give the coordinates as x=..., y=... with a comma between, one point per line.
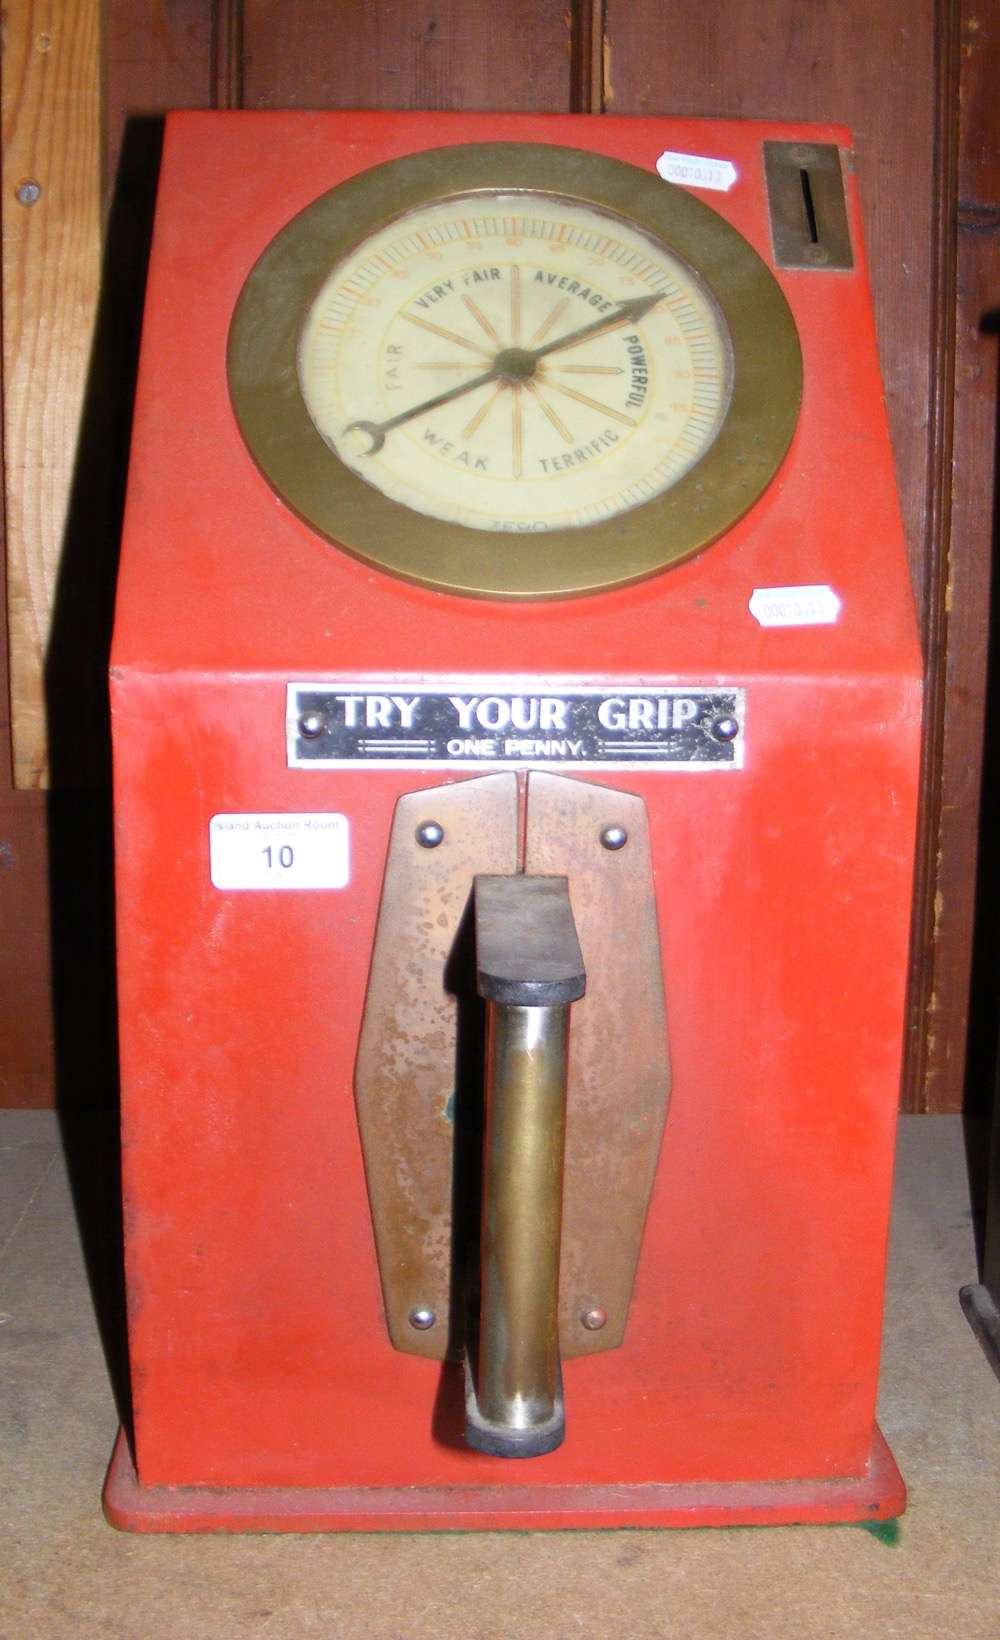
x=922, y=1003
x=587, y=57
x=160, y=54
x=408, y=54
x=51, y=265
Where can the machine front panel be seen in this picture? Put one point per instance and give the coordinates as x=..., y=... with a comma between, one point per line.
x=781, y=897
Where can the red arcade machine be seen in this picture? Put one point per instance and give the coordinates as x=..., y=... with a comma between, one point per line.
x=516, y=700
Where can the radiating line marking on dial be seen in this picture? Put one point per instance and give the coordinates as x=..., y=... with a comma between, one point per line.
x=481, y=320
x=547, y=324
x=594, y=404
x=483, y=411
x=547, y=410
x=448, y=335
x=516, y=432
x=589, y=369
x=515, y=305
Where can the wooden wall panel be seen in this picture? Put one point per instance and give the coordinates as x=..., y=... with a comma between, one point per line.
x=962, y=637
x=158, y=54
x=878, y=67
x=27, y=1055
x=51, y=106
x=408, y=54
x=886, y=71
x=868, y=66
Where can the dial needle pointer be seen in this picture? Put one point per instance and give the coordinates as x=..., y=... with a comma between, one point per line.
x=377, y=430
x=514, y=365
x=625, y=313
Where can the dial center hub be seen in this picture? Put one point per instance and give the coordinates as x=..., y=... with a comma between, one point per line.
x=515, y=364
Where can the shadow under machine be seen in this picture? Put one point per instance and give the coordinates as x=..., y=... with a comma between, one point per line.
x=516, y=715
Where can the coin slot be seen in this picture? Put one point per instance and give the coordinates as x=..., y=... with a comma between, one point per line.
x=810, y=205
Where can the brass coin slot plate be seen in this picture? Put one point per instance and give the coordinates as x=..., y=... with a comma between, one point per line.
x=805, y=195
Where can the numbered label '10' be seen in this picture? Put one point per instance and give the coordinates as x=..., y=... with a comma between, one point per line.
x=279, y=851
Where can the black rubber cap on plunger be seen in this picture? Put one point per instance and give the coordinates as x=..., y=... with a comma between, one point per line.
x=527, y=951
x=505, y=1441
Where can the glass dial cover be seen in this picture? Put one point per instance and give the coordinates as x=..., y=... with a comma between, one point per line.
x=514, y=370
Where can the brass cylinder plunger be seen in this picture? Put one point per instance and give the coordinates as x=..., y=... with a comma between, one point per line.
x=529, y=970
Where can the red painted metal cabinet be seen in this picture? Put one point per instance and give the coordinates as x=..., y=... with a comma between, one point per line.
x=267, y=1394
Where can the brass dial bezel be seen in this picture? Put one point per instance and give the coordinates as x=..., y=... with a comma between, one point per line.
x=748, y=449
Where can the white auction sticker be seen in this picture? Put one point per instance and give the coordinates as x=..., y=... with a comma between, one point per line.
x=268, y=851
x=795, y=606
x=697, y=171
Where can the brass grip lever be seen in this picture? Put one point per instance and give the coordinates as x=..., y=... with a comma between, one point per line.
x=529, y=969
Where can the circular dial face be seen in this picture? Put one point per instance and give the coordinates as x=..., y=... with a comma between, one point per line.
x=515, y=362
x=514, y=370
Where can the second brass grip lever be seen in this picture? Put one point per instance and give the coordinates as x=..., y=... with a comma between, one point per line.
x=529, y=969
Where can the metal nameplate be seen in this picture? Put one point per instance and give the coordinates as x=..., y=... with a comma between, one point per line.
x=513, y=723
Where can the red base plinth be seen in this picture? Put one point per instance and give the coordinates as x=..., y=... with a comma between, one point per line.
x=878, y=1494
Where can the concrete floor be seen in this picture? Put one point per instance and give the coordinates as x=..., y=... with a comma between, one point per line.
x=64, y=1572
